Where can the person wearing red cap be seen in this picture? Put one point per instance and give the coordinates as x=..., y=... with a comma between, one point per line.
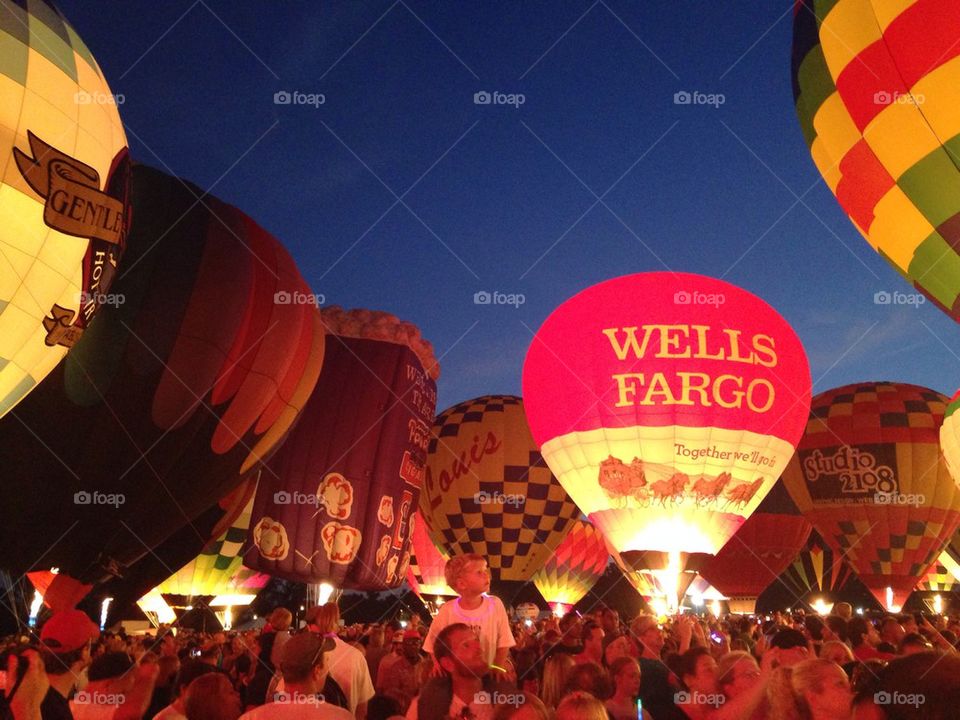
x=399, y=679
x=65, y=650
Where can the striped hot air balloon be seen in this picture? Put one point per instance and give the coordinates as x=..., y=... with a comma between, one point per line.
x=667, y=404
x=762, y=548
x=816, y=570
x=876, y=90
x=574, y=568
x=488, y=491
x=427, y=562
x=870, y=477
x=64, y=192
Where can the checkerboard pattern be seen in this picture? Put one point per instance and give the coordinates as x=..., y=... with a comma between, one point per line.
x=876, y=86
x=506, y=506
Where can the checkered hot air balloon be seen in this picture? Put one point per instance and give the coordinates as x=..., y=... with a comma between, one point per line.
x=64, y=185
x=175, y=393
x=575, y=566
x=816, y=570
x=875, y=85
x=870, y=477
x=488, y=490
x=667, y=404
x=425, y=574
x=943, y=576
x=761, y=549
x=336, y=503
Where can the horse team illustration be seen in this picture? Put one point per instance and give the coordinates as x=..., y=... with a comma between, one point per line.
x=621, y=481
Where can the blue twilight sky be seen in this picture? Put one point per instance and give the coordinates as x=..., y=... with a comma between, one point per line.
x=401, y=193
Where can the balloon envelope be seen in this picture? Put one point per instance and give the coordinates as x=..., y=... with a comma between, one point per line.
x=870, y=477
x=488, y=490
x=64, y=212
x=574, y=567
x=426, y=572
x=667, y=404
x=875, y=91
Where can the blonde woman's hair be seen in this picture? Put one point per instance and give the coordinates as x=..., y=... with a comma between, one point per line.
x=456, y=565
x=507, y=711
x=581, y=706
x=836, y=651
x=556, y=670
x=789, y=685
x=729, y=661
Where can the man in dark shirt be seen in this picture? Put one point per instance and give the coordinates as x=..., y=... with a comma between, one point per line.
x=65, y=650
x=658, y=686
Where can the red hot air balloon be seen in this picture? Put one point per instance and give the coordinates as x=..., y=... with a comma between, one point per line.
x=573, y=568
x=336, y=502
x=167, y=400
x=870, y=476
x=667, y=405
x=763, y=547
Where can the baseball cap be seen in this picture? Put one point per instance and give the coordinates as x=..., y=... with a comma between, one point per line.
x=68, y=630
x=303, y=651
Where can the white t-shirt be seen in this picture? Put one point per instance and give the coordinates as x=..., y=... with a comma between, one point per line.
x=297, y=711
x=489, y=621
x=348, y=667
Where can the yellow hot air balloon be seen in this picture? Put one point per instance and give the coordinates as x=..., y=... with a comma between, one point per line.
x=63, y=193
x=488, y=491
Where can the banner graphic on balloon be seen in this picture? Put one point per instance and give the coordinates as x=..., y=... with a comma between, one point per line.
x=667, y=404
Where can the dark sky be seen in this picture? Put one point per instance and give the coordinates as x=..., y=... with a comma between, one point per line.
x=400, y=193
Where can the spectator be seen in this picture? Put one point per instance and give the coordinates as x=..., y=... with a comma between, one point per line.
x=589, y=677
x=657, y=684
x=913, y=643
x=556, y=670
x=530, y=708
x=275, y=634
x=838, y=652
x=789, y=646
x=922, y=686
x=581, y=706
x=625, y=673
x=812, y=689
x=400, y=678
x=347, y=664
x=118, y=689
x=864, y=639
x=891, y=634
x=212, y=697
x=592, y=643
x=65, y=651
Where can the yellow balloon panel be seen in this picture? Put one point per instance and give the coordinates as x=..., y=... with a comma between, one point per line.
x=63, y=193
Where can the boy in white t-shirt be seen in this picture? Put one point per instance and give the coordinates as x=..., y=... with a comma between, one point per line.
x=469, y=576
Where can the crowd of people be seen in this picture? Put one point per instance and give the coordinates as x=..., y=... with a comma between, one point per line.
x=474, y=663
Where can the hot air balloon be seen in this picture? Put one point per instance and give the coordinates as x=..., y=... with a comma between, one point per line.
x=196, y=375
x=667, y=404
x=573, y=568
x=943, y=575
x=816, y=571
x=426, y=572
x=488, y=490
x=950, y=437
x=874, y=85
x=762, y=548
x=336, y=502
x=870, y=477
x=64, y=206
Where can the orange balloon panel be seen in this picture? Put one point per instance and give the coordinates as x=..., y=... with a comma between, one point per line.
x=575, y=566
x=870, y=477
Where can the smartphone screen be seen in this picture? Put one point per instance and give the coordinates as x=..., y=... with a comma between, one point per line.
x=639, y=709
